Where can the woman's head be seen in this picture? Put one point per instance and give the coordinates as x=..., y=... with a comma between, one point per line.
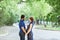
x=31, y=19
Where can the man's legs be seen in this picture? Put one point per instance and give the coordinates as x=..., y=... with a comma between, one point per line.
x=22, y=36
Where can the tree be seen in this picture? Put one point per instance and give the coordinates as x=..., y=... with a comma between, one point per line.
x=56, y=9
x=36, y=8
x=6, y=8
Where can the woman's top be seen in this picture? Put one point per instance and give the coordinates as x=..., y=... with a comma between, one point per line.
x=29, y=26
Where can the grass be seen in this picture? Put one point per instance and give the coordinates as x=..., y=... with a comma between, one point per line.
x=48, y=27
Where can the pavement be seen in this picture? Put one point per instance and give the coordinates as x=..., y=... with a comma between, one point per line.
x=13, y=34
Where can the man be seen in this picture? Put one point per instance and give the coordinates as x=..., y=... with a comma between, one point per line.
x=22, y=28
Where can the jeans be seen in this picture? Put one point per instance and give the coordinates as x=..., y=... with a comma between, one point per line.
x=22, y=36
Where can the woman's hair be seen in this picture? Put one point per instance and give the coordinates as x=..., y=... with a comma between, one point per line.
x=31, y=18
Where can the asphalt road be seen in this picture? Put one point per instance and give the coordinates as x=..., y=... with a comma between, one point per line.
x=13, y=34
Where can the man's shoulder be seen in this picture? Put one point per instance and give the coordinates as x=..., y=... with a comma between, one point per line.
x=21, y=21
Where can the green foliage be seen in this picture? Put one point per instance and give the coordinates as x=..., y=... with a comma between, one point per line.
x=56, y=9
x=13, y=18
x=37, y=9
x=8, y=11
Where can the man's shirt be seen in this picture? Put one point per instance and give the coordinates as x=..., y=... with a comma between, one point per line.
x=21, y=24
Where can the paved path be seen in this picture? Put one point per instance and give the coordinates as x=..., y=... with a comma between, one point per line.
x=38, y=34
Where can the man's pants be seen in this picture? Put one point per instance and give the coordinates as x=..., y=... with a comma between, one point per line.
x=22, y=36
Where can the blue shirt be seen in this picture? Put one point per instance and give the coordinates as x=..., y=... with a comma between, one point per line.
x=21, y=24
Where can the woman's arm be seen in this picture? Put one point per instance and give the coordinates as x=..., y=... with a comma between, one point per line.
x=29, y=29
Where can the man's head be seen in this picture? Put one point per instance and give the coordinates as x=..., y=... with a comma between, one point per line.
x=22, y=17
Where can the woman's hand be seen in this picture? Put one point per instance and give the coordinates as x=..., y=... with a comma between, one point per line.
x=29, y=29
x=26, y=34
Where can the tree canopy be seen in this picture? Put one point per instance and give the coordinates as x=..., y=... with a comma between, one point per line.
x=11, y=10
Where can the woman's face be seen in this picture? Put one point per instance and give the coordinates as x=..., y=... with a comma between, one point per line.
x=29, y=20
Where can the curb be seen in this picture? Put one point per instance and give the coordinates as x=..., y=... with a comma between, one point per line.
x=47, y=29
x=4, y=34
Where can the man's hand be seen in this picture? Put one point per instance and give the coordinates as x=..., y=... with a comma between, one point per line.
x=26, y=34
x=24, y=30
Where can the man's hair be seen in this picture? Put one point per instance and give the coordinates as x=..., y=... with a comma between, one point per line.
x=22, y=16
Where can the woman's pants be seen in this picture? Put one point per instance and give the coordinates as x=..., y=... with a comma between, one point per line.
x=22, y=36
x=30, y=36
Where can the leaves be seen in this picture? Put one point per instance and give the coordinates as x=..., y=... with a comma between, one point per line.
x=10, y=10
x=8, y=7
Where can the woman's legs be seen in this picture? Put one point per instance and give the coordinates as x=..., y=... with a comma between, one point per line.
x=30, y=36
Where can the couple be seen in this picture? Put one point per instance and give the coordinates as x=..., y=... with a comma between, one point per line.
x=24, y=31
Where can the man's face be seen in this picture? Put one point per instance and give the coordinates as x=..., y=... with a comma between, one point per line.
x=23, y=18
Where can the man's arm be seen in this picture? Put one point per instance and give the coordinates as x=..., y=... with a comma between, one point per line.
x=23, y=30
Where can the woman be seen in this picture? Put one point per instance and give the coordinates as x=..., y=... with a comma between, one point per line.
x=29, y=29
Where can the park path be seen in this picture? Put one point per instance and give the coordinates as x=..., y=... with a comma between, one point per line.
x=38, y=34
